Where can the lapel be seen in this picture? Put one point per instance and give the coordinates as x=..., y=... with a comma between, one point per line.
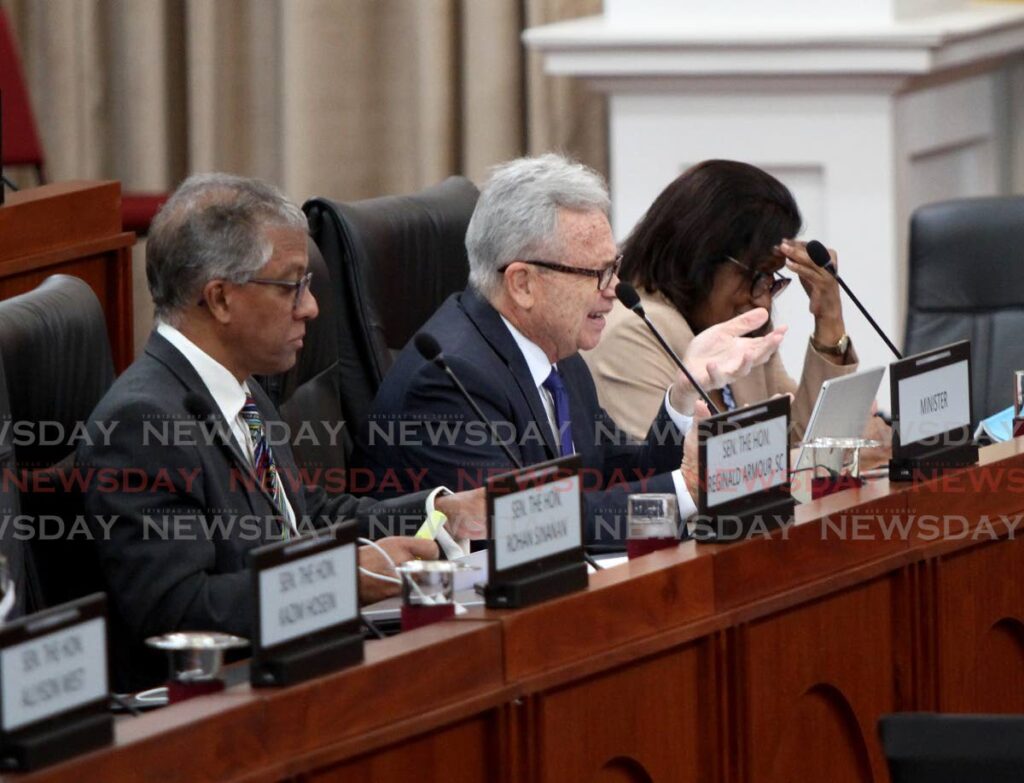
x=162, y=351
x=581, y=413
x=494, y=331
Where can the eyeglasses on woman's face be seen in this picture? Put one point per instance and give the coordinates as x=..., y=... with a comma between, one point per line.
x=761, y=283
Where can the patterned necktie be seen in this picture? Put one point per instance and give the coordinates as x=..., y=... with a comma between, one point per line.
x=554, y=384
x=262, y=457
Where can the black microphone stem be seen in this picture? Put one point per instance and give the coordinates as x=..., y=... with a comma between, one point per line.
x=679, y=363
x=865, y=313
x=820, y=256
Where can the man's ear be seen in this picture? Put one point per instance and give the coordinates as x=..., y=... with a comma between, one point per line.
x=217, y=295
x=521, y=284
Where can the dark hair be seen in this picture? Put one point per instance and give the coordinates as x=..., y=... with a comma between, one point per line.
x=715, y=209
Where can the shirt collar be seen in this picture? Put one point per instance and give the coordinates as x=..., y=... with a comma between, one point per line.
x=536, y=359
x=225, y=389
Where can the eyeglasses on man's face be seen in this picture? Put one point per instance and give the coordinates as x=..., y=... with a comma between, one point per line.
x=761, y=283
x=604, y=275
x=300, y=286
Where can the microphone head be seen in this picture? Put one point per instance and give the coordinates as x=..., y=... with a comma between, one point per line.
x=428, y=347
x=629, y=297
x=819, y=255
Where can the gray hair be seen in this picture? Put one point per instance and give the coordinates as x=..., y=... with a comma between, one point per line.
x=516, y=216
x=213, y=227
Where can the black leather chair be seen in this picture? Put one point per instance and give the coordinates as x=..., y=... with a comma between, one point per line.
x=309, y=394
x=966, y=282
x=57, y=360
x=13, y=547
x=392, y=262
x=923, y=747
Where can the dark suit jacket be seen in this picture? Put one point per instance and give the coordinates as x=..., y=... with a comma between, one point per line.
x=188, y=510
x=419, y=422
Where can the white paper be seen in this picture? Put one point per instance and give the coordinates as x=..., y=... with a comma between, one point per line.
x=934, y=402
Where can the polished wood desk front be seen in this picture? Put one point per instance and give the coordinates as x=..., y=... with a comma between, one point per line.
x=72, y=228
x=767, y=660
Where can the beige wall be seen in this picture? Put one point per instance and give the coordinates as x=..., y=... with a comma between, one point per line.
x=342, y=98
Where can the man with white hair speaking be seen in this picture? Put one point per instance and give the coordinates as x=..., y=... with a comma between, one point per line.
x=543, y=269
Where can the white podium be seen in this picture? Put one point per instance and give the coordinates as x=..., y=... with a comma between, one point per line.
x=866, y=110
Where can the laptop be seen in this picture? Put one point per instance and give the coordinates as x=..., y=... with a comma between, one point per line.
x=841, y=411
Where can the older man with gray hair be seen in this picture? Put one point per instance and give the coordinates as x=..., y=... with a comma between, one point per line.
x=543, y=268
x=227, y=267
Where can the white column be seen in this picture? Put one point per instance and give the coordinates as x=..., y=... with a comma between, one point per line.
x=864, y=119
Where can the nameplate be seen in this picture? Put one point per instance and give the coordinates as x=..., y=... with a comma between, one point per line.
x=307, y=604
x=312, y=585
x=743, y=472
x=751, y=458
x=54, y=685
x=52, y=663
x=931, y=413
x=537, y=522
x=535, y=547
x=934, y=399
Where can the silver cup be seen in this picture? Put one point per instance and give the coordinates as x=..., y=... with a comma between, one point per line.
x=196, y=656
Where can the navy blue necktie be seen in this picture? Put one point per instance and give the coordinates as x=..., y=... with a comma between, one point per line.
x=554, y=384
x=728, y=399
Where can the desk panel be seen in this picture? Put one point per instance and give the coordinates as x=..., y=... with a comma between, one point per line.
x=769, y=660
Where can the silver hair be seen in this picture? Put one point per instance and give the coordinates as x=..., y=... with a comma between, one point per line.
x=516, y=216
x=213, y=227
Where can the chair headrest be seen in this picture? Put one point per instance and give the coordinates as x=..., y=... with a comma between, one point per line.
x=966, y=255
x=410, y=252
x=56, y=354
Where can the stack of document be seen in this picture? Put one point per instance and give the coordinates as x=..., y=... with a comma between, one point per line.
x=996, y=428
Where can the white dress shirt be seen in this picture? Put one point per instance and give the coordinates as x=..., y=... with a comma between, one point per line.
x=228, y=394
x=540, y=368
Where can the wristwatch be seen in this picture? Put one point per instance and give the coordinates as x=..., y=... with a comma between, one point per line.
x=839, y=349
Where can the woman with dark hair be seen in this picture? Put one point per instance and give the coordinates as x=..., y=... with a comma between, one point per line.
x=709, y=248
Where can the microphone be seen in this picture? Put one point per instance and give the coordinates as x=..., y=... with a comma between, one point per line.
x=430, y=350
x=819, y=255
x=631, y=299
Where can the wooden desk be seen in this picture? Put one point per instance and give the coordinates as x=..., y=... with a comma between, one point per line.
x=767, y=660
x=72, y=228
